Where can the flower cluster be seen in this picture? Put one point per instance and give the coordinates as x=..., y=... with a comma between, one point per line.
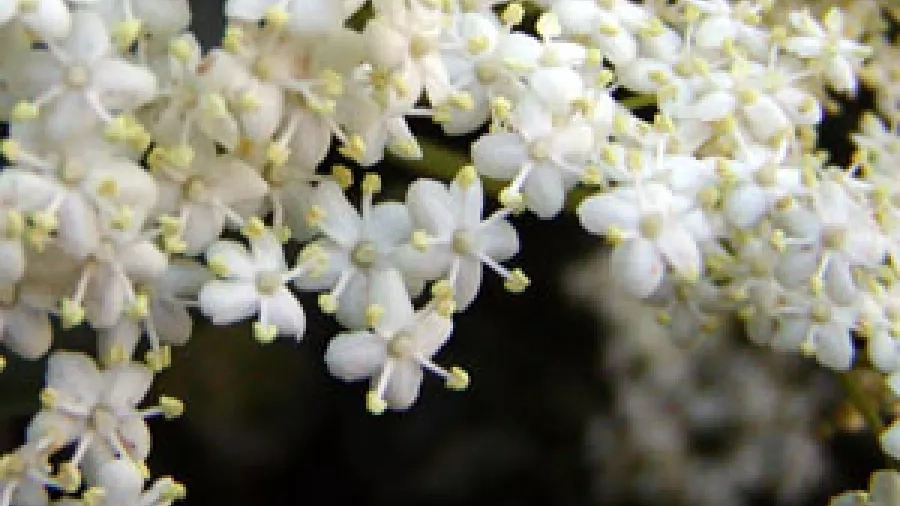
x=146, y=177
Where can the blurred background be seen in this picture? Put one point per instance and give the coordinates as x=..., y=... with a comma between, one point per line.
x=576, y=399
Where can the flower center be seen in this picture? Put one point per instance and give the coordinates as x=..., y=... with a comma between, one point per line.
x=103, y=420
x=193, y=189
x=8, y=295
x=766, y=175
x=268, y=282
x=834, y=237
x=364, y=254
x=486, y=73
x=539, y=150
x=820, y=313
x=27, y=6
x=71, y=173
x=651, y=225
x=401, y=345
x=419, y=46
x=77, y=76
x=462, y=242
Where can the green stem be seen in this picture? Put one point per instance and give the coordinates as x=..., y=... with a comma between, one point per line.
x=863, y=403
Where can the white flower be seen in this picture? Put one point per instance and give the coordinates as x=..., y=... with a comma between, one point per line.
x=93, y=407
x=458, y=241
x=393, y=358
x=47, y=18
x=82, y=80
x=362, y=274
x=120, y=482
x=648, y=223
x=24, y=328
x=542, y=158
x=827, y=44
x=253, y=282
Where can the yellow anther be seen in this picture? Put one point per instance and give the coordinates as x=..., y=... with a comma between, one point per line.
x=315, y=215
x=142, y=469
x=374, y=314
x=342, y=175
x=44, y=221
x=354, y=149
x=276, y=16
x=608, y=29
x=653, y=28
x=172, y=490
x=815, y=285
x=548, y=26
x=328, y=303
x=171, y=407
x=49, y=397
x=2, y=363
x=159, y=359
x=117, y=130
x=71, y=313
x=604, y=78
x=233, y=38
x=457, y=379
x=181, y=49
x=511, y=198
x=126, y=33
x=218, y=266
x=501, y=107
x=94, y=496
x=659, y=77
x=513, y=14
x=374, y=403
x=748, y=96
x=180, y=156
x=117, y=354
x=254, y=229
x=123, y=219
x=332, y=82
x=108, y=188
x=170, y=225
x=419, y=239
x=14, y=224
x=10, y=149
x=371, y=184
x=24, y=111
x=442, y=289
x=778, y=240
x=277, y=155
x=462, y=100
x=477, y=45
x=264, y=333
x=405, y=148
x=214, y=105
x=466, y=176
x=517, y=281
x=69, y=477
x=248, y=101
x=445, y=307
x=593, y=176
x=282, y=233
x=139, y=307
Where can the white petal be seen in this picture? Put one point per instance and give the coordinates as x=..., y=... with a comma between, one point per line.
x=884, y=352
x=745, y=205
x=13, y=266
x=680, y=250
x=122, y=482
x=88, y=40
x=388, y=224
x=544, y=191
x=499, y=155
x=50, y=19
x=75, y=375
x=172, y=321
x=468, y=281
x=341, y=222
x=28, y=332
x=834, y=349
x=235, y=256
x=890, y=440
x=387, y=289
x=403, y=387
x=499, y=240
x=283, y=311
x=126, y=385
x=431, y=206
x=600, y=213
x=637, y=267
x=226, y=302
x=315, y=17
x=351, y=356
x=78, y=231
x=792, y=333
x=123, y=85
